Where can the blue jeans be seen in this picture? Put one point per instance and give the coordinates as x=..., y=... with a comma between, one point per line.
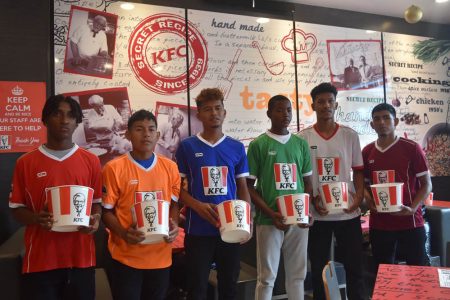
x=128, y=283
x=201, y=252
x=67, y=284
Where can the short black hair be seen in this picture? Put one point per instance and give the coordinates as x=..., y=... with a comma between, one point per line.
x=52, y=105
x=384, y=106
x=209, y=94
x=140, y=115
x=324, y=87
x=275, y=99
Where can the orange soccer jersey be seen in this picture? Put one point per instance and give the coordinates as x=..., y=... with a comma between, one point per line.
x=36, y=171
x=122, y=178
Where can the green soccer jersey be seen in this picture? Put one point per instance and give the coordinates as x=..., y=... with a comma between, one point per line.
x=278, y=163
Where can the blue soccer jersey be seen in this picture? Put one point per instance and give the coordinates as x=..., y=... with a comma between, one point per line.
x=211, y=171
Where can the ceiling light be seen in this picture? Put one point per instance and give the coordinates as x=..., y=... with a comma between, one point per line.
x=370, y=31
x=413, y=14
x=127, y=6
x=262, y=20
x=441, y=1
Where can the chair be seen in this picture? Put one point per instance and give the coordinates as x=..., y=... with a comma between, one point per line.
x=330, y=282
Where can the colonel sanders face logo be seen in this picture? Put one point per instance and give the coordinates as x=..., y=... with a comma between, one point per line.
x=384, y=197
x=149, y=196
x=298, y=204
x=336, y=192
x=286, y=171
x=382, y=177
x=328, y=164
x=150, y=214
x=214, y=173
x=79, y=201
x=239, y=211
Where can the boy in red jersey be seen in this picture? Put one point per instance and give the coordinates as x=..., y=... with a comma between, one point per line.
x=56, y=265
x=406, y=160
x=139, y=271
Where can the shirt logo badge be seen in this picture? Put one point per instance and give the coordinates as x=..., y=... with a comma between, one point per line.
x=328, y=169
x=198, y=154
x=41, y=174
x=285, y=176
x=134, y=181
x=215, y=180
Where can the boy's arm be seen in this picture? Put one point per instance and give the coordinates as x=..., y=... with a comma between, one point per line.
x=130, y=235
x=27, y=217
x=94, y=220
x=358, y=182
x=421, y=195
x=173, y=222
x=205, y=210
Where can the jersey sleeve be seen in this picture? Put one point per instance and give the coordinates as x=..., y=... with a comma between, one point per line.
x=253, y=159
x=357, y=160
x=110, y=187
x=241, y=168
x=420, y=166
x=96, y=180
x=17, y=195
x=181, y=160
x=365, y=155
x=307, y=166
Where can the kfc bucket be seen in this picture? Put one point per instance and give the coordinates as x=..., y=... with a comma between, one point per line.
x=334, y=196
x=70, y=206
x=234, y=218
x=151, y=218
x=387, y=196
x=294, y=207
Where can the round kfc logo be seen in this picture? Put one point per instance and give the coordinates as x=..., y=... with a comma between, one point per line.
x=157, y=52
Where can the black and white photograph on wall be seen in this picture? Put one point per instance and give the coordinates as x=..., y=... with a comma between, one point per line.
x=355, y=64
x=105, y=118
x=91, y=42
x=173, y=127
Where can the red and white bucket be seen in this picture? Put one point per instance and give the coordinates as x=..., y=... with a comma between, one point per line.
x=334, y=196
x=70, y=205
x=387, y=196
x=234, y=216
x=294, y=207
x=151, y=217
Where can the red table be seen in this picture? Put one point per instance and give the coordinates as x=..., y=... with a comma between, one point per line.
x=401, y=282
x=178, y=243
x=437, y=203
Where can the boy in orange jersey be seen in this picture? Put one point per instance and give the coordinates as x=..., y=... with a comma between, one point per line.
x=56, y=265
x=139, y=271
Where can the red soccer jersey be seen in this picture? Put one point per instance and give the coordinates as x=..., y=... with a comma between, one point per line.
x=36, y=171
x=403, y=161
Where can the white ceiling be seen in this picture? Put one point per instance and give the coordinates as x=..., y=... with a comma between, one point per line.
x=432, y=11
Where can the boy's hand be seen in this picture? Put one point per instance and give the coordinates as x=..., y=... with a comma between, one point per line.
x=355, y=204
x=278, y=221
x=310, y=223
x=405, y=211
x=173, y=233
x=133, y=236
x=44, y=219
x=317, y=202
x=208, y=212
x=94, y=221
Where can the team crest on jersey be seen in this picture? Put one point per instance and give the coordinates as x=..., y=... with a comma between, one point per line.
x=383, y=176
x=214, y=180
x=285, y=176
x=328, y=169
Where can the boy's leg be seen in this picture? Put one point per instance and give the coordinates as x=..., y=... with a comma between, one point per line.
x=319, y=243
x=81, y=284
x=349, y=238
x=269, y=240
x=414, y=241
x=126, y=282
x=199, y=256
x=228, y=258
x=295, y=261
x=383, y=244
x=155, y=284
x=47, y=285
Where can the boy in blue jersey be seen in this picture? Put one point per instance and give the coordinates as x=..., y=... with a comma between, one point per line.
x=215, y=168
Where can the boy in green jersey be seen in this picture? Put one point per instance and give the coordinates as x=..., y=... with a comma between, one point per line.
x=281, y=164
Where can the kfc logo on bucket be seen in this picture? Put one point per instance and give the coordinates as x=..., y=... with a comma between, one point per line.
x=295, y=208
x=214, y=180
x=285, y=176
x=157, y=65
x=70, y=206
x=234, y=216
x=147, y=196
x=334, y=195
x=328, y=169
x=152, y=218
x=387, y=196
x=384, y=176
